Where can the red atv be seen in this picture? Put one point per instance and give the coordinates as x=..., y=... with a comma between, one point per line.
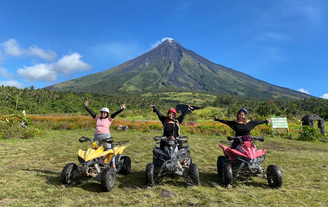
x=246, y=161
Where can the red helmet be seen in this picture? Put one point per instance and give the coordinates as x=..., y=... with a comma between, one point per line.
x=172, y=110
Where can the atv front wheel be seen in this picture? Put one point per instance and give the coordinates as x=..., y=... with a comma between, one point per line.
x=67, y=173
x=108, y=179
x=219, y=165
x=274, y=176
x=227, y=177
x=194, y=174
x=126, y=168
x=150, y=174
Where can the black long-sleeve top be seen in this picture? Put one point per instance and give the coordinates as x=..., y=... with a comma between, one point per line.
x=241, y=129
x=171, y=129
x=93, y=114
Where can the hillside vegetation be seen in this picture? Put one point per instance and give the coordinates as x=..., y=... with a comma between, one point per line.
x=43, y=101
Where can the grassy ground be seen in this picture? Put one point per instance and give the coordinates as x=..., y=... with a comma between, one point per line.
x=30, y=174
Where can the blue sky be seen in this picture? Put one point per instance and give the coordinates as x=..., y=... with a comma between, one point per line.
x=282, y=42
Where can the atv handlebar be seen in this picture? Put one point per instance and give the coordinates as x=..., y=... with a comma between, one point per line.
x=183, y=138
x=84, y=139
x=108, y=140
x=239, y=138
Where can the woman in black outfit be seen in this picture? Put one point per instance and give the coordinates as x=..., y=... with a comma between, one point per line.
x=242, y=126
x=171, y=124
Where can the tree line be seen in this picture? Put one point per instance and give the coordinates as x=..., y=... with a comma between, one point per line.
x=43, y=101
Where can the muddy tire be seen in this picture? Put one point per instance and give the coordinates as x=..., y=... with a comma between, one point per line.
x=67, y=173
x=219, y=165
x=227, y=177
x=108, y=179
x=194, y=174
x=150, y=174
x=126, y=167
x=274, y=176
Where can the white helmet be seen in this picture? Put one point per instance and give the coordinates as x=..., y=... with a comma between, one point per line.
x=105, y=110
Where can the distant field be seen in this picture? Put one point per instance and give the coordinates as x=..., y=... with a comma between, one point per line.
x=196, y=99
x=30, y=174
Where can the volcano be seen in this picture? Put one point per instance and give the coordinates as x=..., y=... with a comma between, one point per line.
x=171, y=67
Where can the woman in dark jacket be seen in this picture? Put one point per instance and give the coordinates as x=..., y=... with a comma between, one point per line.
x=171, y=124
x=242, y=126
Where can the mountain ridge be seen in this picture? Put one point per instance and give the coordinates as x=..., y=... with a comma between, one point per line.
x=170, y=66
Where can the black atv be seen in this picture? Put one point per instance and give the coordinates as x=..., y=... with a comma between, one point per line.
x=171, y=162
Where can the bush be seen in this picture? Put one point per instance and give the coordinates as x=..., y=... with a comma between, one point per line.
x=309, y=134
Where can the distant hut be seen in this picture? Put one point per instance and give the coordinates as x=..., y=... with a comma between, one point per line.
x=309, y=121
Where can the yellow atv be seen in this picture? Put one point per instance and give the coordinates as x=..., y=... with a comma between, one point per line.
x=97, y=163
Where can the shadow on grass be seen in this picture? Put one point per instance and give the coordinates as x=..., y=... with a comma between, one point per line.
x=213, y=180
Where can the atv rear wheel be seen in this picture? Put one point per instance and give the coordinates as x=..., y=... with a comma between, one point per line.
x=108, y=179
x=227, y=177
x=194, y=174
x=150, y=174
x=274, y=176
x=126, y=167
x=67, y=173
x=219, y=165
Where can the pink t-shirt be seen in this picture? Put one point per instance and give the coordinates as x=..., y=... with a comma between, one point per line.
x=102, y=125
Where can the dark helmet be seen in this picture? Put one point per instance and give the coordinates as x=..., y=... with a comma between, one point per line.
x=244, y=110
x=172, y=110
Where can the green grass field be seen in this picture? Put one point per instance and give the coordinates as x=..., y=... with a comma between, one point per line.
x=30, y=174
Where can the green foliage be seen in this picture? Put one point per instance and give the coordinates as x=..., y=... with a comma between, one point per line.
x=10, y=128
x=309, y=134
x=43, y=101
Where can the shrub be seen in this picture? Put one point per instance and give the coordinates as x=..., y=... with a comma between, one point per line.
x=309, y=134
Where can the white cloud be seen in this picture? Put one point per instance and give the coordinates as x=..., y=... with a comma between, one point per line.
x=12, y=83
x=39, y=72
x=159, y=42
x=4, y=72
x=48, y=54
x=325, y=96
x=12, y=48
x=303, y=90
x=49, y=72
x=71, y=63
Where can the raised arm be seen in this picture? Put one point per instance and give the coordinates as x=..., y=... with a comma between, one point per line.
x=220, y=120
x=182, y=116
x=89, y=110
x=159, y=114
x=262, y=122
x=117, y=112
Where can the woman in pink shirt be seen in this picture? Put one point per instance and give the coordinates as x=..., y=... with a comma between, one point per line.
x=103, y=123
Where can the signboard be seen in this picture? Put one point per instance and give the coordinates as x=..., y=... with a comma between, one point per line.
x=279, y=123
